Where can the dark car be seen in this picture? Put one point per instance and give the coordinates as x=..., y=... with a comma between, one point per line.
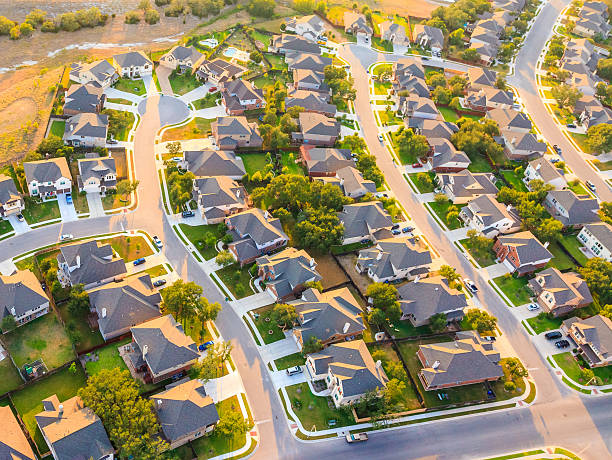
x=396, y=232
x=188, y=214
x=395, y=227
x=571, y=125
x=205, y=345
x=407, y=229
x=159, y=283
x=365, y=241
x=557, y=149
x=139, y=261
x=553, y=335
x=562, y=344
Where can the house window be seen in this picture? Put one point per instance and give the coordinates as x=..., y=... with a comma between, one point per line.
x=336, y=396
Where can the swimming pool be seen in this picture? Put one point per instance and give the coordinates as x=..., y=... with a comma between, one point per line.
x=230, y=52
x=210, y=42
x=237, y=54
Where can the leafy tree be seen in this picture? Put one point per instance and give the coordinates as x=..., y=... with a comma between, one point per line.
x=449, y=273
x=500, y=83
x=50, y=145
x=470, y=55
x=151, y=16
x=509, y=386
x=78, y=301
x=273, y=136
x=586, y=375
x=549, y=229
x=210, y=366
x=312, y=345
x=224, y=258
x=599, y=138
x=480, y=320
x=36, y=17
x=284, y=314
x=183, y=299
x=382, y=295
x=73, y=333
x=354, y=143
x=438, y=322
x=175, y=148
x=598, y=274
x=322, y=7
x=605, y=211
x=425, y=180
x=256, y=57
x=270, y=117
x=129, y=420
x=8, y=323
x=515, y=367
x=314, y=285
x=126, y=187
x=304, y=6
x=287, y=123
x=394, y=393
x=366, y=164
x=566, y=95
x=261, y=8
x=456, y=37
x=318, y=228
x=132, y=17
x=231, y=423
x=180, y=187
x=440, y=198
x=435, y=79
x=480, y=245
x=410, y=144
x=68, y=22
x=604, y=68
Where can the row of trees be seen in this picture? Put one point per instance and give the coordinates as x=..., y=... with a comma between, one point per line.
x=150, y=14
x=366, y=163
x=199, y=8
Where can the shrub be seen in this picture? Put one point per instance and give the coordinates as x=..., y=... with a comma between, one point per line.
x=151, y=16
x=509, y=386
x=132, y=17
x=49, y=26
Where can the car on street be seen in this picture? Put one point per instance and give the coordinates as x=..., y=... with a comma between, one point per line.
x=591, y=185
x=554, y=335
x=407, y=229
x=395, y=226
x=571, y=125
x=157, y=242
x=139, y=261
x=557, y=149
x=365, y=241
x=489, y=338
x=66, y=237
x=380, y=138
x=159, y=282
x=470, y=284
x=533, y=307
x=516, y=106
x=294, y=370
x=205, y=345
x=356, y=437
x=396, y=232
x=562, y=344
x=20, y=217
x=176, y=159
x=188, y=214
x=555, y=160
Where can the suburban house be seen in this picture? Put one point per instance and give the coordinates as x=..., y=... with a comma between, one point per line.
x=432, y=128
x=348, y=370
x=240, y=95
x=405, y=68
x=590, y=112
x=218, y=197
x=542, y=169
x=464, y=186
x=324, y=162
x=98, y=73
x=285, y=273
x=48, y=178
x=357, y=24
x=365, y=221
x=418, y=107
x=182, y=58
x=424, y=298
x=160, y=350
x=510, y=119
x=185, y=412
x=86, y=130
x=486, y=51
x=120, y=306
x=89, y=263
x=522, y=252
x=297, y=60
x=235, y=132
x=593, y=20
x=13, y=443
x=22, y=297
x=311, y=101
x=394, y=33
x=311, y=27
x=287, y=44
x=219, y=71
x=488, y=97
x=310, y=80
x=429, y=37
x=571, y=209
x=351, y=181
x=73, y=431
x=316, y=129
x=445, y=158
x=560, y=293
x=480, y=78
x=214, y=163
x=83, y=99
x=520, y=146
x=597, y=239
x=593, y=337
x=331, y=316
x=11, y=201
x=467, y=360
x=409, y=84
x=394, y=259
x=133, y=64
x=256, y=233
x=489, y=217
x=97, y=175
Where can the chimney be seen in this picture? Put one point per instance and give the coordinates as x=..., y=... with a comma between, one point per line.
x=546, y=244
x=436, y=364
x=78, y=260
x=60, y=409
x=345, y=328
x=342, y=181
x=159, y=403
x=509, y=208
x=379, y=364
x=417, y=278
x=538, y=166
x=266, y=215
x=238, y=193
x=104, y=312
x=379, y=256
x=145, y=350
x=312, y=263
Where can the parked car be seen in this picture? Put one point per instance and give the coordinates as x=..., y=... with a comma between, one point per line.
x=471, y=286
x=139, y=261
x=553, y=335
x=407, y=229
x=557, y=149
x=417, y=165
x=555, y=160
x=20, y=217
x=562, y=343
x=365, y=241
x=396, y=232
x=591, y=185
x=157, y=242
x=212, y=89
x=294, y=370
x=176, y=159
x=533, y=307
x=159, y=282
x=516, y=106
x=112, y=141
x=66, y=237
x=489, y=338
x=188, y=214
x=357, y=437
x=68, y=198
x=395, y=227
x=571, y=125
x=205, y=345
x=380, y=138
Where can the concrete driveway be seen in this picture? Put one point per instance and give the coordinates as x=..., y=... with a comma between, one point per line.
x=195, y=94
x=19, y=227
x=163, y=74
x=94, y=201
x=282, y=379
x=149, y=84
x=112, y=93
x=224, y=387
x=280, y=348
x=66, y=210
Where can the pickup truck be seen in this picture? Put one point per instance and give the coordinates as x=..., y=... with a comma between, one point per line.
x=357, y=437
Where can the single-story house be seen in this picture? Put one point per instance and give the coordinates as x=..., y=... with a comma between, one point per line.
x=214, y=163
x=445, y=158
x=316, y=129
x=288, y=43
x=464, y=186
x=322, y=162
x=510, y=119
x=520, y=146
x=365, y=221
x=310, y=101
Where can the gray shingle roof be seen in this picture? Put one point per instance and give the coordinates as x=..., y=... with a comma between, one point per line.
x=580, y=209
x=603, y=232
x=218, y=191
x=20, y=291
x=258, y=225
x=317, y=124
x=434, y=35
x=489, y=210
x=183, y=52
x=353, y=183
x=596, y=330
x=392, y=255
x=468, y=184
x=87, y=124
x=524, y=141
x=300, y=60
x=478, y=76
x=8, y=190
x=132, y=59
x=407, y=67
x=429, y=296
x=83, y=98
x=547, y=171
x=288, y=269
x=509, y=119
x=96, y=167
x=327, y=160
x=310, y=101
x=528, y=247
x=566, y=288
x=363, y=219
x=214, y=163
x=95, y=264
x=101, y=70
x=46, y=170
x=289, y=42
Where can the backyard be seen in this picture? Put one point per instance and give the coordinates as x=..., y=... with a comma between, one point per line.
x=441, y=210
x=561, y=261
x=182, y=84
x=573, y=246
x=198, y=128
x=130, y=86
x=313, y=411
x=288, y=160
x=108, y=358
x=9, y=376
x=197, y=235
x=295, y=359
x=514, y=180
x=452, y=115
x=44, y=338
x=88, y=337
x=237, y=279
x=254, y=162
x=35, y=212
x=129, y=247
x=479, y=164
x=267, y=328
x=515, y=289
x=57, y=128
x=329, y=270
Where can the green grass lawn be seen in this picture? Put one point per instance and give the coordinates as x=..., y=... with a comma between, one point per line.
x=233, y=277
x=28, y=401
x=577, y=187
x=479, y=164
x=313, y=411
x=80, y=201
x=197, y=128
x=572, y=368
x=277, y=61
x=581, y=141
x=39, y=212
x=122, y=131
x=382, y=45
x=485, y=258
x=196, y=234
x=131, y=86
x=405, y=328
x=119, y=100
x=515, y=181
x=265, y=324
x=129, y=247
x=182, y=84
x=263, y=81
x=291, y=165
x=5, y=227
x=217, y=444
x=561, y=260
x=113, y=201
x=57, y=128
x=209, y=101
x=421, y=187
x=295, y=359
x=441, y=209
x=108, y=358
x=158, y=270
x=603, y=166
x=543, y=323
x=263, y=38
x=89, y=337
x=573, y=245
x=515, y=289
x=42, y=338
x=381, y=87
x=9, y=376
x=388, y=118
x=448, y=114
x=254, y=162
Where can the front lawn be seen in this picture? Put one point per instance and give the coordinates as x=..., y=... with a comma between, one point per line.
x=254, y=162
x=441, y=209
x=130, y=86
x=129, y=247
x=89, y=338
x=9, y=376
x=561, y=261
x=382, y=45
x=108, y=358
x=422, y=186
x=288, y=160
x=28, y=402
x=113, y=201
x=295, y=359
x=515, y=289
x=237, y=279
x=573, y=245
x=80, y=201
x=57, y=128
x=119, y=123
x=515, y=182
x=483, y=258
x=267, y=328
x=388, y=118
x=577, y=187
x=154, y=272
x=197, y=234
x=35, y=212
x=182, y=84
x=313, y=411
x=603, y=166
x=206, y=102
x=572, y=368
x=581, y=141
x=543, y=323
x=198, y=128
x=5, y=227
x=44, y=338
x=382, y=87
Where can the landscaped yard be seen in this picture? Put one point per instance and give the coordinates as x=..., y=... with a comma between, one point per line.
x=261, y=37
x=129, y=247
x=9, y=376
x=423, y=188
x=295, y=359
x=254, y=162
x=198, y=128
x=405, y=328
x=452, y=116
x=154, y=272
x=5, y=227
x=515, y=182
x=581, y=141
x=265, y=324
x=113, y=201
x=28, y=401
x=479, y=164
x=573, y=245
x=44, y=338
x=483, y=258
x=237, y=279
x=120, y=123
x=577, y=187
x=89, y=337
x=515, y=289
x=543, y=323
x=288, y=161
x=131, y=86
x=382, y=45
x=561, y=260
x=603, y=165
x=35, y=212
x=388, y=118
x=313, y=411
x=182, y=84
x=209, y=101
x=80, y=201
x=381, y=87
x=57, y=128
x=441, y=209
x=197, y=234
x=277, y=61
x=572, y=368
x=108, y=358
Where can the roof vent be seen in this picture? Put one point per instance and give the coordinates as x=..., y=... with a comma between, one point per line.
x=13, y=311
x=436, y=365
x=104, y=312
x=345, y=328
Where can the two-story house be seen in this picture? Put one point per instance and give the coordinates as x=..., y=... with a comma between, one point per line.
x=429, y=37
x=325, y=162
x=11, y=201
x=97, y=175
x=542, y=169
x=133, y=64
x=560, y=293
x=48, y=178
x=593, y=336
x=86, y=130
x=182, y=58
x=83, y=99
x=522, y=252
x=235, y=132
x=357, y=25
x=218, y=197
x=22, y=297
x=365, y=221
x=240, y=95
x=310, y=80
x=213, y=163
x=597, y=239
x=489, y=217
x=98, y=73
x=571, y=209
x=465, y=185
x=13, y=443
x=316, y=129
x=310, y=27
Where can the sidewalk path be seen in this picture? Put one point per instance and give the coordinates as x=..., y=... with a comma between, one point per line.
x=224, y=387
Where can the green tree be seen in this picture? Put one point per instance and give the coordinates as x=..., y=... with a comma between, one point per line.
x=515, y=368
x=180, y=187
x=410, y=145
x=438, y=322
x=394, y=393
x=318, y=228
x=566, y=95
x=425, y=180
x=586, y=375
x=456, y=37
x=312, y=345
x=232, y=423
x=183, y=299
x=151, y=16
x=598, y=274
x=132, y=17
x=8, y=323
x=211, y=366
x=304, y=6
x=284, y=314
x=470, y=55
x=174, y=148
x=256, y=57
x=261, y=8
x=126, y=187
x=441, y=95
x=549, y=229
x=435, y=79
x=36, y=17
x=480, y=320
x=599, y=138
x=78, y=301
x=224, y=258
x=449, y=273
x=50, y=145
x=314, y=285
x=366, y=164
x=605, y=211
x=604, y=68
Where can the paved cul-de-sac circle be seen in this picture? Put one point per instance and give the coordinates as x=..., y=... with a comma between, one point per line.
x=170, y=109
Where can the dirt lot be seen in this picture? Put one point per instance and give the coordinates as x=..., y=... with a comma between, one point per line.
x=331, y=273
x=360, y=281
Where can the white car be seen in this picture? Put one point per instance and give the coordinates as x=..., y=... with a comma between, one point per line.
x=380, y=138
x=471, y=286
x=533, y=307
x=157, y=242
x=66, y=237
